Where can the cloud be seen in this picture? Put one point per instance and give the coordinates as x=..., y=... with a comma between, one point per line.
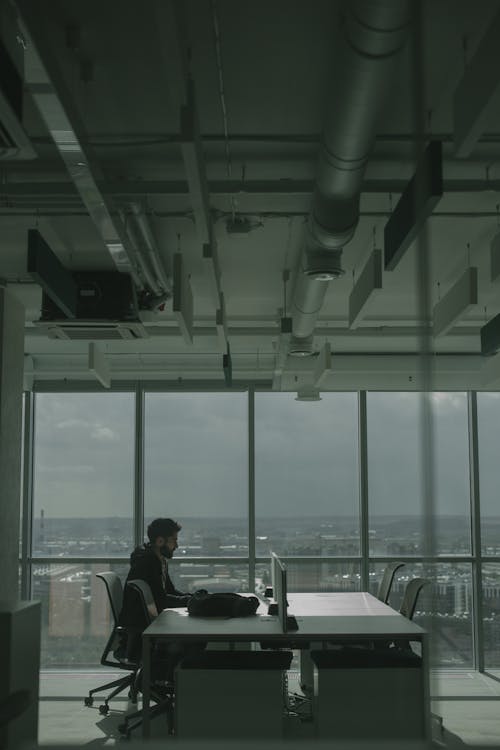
x=71, y=424
x=106, y=434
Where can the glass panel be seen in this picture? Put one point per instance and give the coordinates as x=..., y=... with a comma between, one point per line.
x=196, y=469
x=213, y=576
x=395, y=473
x=83, y=473
x=306, y=475
x=488, y=418
x=313, y=575
x=21, y=485
x=76, y=617
x=451, y=470
x=491, y=615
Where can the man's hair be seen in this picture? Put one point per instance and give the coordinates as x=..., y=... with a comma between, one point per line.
x=162, y=527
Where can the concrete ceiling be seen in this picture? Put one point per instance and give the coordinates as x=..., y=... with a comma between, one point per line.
x=118, y=70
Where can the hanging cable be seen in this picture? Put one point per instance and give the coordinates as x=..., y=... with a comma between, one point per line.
x=222, y=98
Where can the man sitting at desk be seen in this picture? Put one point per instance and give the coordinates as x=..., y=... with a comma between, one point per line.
x=149, y=563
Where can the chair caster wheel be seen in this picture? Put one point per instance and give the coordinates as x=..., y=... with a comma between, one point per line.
x=104, y=709
x=88, y=701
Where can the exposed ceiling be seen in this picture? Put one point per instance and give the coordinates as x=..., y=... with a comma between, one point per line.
x=262, y=73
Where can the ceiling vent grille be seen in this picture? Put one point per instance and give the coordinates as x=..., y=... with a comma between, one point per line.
x=69, y=331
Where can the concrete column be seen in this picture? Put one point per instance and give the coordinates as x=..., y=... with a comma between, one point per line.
x=11, y=390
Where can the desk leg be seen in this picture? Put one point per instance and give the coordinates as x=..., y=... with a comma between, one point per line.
x=307, y=670
x=146, y=685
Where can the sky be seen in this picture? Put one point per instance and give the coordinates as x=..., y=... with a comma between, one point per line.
x=306, y=454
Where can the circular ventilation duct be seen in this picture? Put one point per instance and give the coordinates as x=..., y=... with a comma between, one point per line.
x=307, y=393
x=301, y=347
x=323, y=265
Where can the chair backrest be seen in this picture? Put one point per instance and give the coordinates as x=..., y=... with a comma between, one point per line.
x=385, y=585
x=412, y=590
x=114, y=589
x=143, y=589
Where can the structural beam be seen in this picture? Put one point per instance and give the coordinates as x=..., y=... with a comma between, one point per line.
x=365, y=289
x=461, y=297
x=415, y=205
x=490, y=336
x=477, y=92
x=182, y=304
x=99, y=365
x=134, y=189
x=323, y=368
x=490, y=372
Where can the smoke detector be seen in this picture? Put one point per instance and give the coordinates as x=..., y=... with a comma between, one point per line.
x=323, y=265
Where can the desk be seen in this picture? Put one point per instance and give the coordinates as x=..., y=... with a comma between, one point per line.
x=320, y=617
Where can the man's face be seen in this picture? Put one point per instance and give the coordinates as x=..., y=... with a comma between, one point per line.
x=168, y=545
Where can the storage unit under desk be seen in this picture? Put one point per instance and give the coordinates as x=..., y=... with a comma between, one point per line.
x=322, y=618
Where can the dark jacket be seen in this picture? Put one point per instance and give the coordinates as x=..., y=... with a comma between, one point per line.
x=146, y=566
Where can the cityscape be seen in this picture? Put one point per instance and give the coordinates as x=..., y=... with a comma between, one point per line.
x=76, y=617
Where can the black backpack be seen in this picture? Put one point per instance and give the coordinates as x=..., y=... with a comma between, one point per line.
x=203, y=604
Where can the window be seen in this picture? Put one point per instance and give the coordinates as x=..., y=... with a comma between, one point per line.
x=491, y=615
x=83, y=474
x=306, y=475
x=196, y=469
x=395, y=473
x=76, y=617
x=488, y=418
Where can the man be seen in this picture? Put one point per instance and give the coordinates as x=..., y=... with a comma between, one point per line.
x=149, y=563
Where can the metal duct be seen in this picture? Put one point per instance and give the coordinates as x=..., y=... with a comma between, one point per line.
x=372, y=34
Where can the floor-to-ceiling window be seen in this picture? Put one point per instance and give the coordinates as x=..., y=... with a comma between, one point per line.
x=488, y=413
x=83, y=486
x=196, y=471
x=306, y=489
x=106, y=463
x=396, y=510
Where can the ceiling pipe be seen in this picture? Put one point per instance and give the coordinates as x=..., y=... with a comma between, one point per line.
x=372, y=33
x=151, y=247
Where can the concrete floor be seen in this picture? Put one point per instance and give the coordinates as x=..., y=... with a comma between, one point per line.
x=468, y=702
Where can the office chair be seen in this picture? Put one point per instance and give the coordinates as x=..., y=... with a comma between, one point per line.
x=114, y=591
x=410, y=597
x=162, y=694
x=384, y=589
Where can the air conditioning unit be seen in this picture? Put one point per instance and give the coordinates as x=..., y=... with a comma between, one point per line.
x=106, y=310
x=97, y=331
x=14, y=143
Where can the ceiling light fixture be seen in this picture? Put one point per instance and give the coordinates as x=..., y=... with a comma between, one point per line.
x=307, y=393
x=323, y=265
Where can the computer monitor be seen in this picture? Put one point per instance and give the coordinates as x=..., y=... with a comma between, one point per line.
x=278, y=572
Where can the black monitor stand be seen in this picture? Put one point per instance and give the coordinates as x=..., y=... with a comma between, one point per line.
x=291, y=623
